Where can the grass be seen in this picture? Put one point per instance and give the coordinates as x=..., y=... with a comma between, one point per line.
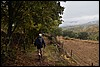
x=51, y=57
x=54, y=56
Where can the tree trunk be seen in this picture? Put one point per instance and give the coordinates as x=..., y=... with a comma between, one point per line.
x=10, y=19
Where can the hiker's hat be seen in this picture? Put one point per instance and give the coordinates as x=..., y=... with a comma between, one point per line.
x=40, y=34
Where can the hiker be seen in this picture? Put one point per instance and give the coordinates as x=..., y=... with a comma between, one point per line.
x=39, y=42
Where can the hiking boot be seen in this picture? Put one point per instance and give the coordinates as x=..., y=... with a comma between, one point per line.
x=39, y=57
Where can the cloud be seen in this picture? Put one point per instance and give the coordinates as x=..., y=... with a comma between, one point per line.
x=79, y=12
x=80, y=8
x=79, y=20
x=94, y=17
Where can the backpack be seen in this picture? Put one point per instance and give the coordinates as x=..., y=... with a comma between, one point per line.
x=40, y=40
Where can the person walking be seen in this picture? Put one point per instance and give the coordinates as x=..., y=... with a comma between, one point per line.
x=40, y=44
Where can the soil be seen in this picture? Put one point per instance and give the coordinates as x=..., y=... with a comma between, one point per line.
x=85, y=52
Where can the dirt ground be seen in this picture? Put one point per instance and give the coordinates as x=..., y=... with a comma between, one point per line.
x=85, y=52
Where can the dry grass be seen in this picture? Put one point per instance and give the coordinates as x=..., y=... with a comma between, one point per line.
x=85, y=52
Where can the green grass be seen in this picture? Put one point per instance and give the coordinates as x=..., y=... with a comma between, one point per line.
x=53, y=55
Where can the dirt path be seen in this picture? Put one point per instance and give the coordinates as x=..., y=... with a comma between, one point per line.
x=30, y=58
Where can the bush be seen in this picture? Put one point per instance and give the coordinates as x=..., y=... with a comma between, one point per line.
x=67, y=37
x=83, y=35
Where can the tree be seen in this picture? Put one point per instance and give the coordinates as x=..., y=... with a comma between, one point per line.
x=30, y=17
x=83, y=35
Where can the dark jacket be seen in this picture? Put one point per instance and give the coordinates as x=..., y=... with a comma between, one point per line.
x=39, y=42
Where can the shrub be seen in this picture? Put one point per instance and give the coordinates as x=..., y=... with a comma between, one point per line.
x=67, y=37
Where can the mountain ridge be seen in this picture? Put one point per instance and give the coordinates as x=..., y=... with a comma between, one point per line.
x=91, y=26
x=76, y=23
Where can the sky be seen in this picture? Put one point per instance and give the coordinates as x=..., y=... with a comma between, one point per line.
x=79, y=11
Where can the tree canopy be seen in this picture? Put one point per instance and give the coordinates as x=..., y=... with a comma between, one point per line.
x=30, y=15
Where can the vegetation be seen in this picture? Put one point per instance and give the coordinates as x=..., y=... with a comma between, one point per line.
x=87, y=33
x=21, y=21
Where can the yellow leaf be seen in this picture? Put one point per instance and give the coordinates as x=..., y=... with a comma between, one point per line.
x=66, y=57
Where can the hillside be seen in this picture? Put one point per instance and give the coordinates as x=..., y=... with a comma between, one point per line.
x=92, y=26
x=85, y=52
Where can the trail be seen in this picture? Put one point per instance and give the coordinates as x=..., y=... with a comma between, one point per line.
x=29, y=59
x=51, y=57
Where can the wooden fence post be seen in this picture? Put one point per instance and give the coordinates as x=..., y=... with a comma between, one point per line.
x=71, y=53
x=71, y=56
x=62, y=44
x=92, y=64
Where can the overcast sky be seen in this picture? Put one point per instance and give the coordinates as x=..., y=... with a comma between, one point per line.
x=80, y=11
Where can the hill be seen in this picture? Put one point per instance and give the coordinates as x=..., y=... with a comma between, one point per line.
x=85, y=52
x=92, y=26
